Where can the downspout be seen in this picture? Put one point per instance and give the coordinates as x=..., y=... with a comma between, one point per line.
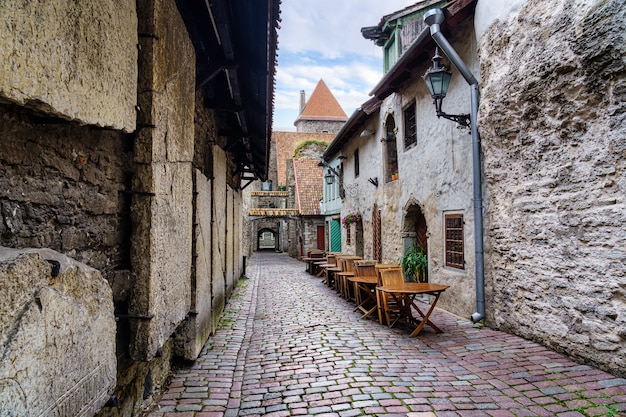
x=434, y=18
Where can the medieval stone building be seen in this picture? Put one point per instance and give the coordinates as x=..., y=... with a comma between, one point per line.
x=291, y=212
x=522, y=216
x=127, y=128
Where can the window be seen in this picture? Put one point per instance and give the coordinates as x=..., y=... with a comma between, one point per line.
x=391, y=52
x=455, y=257
x=391, y=153
x=410, y=130
x=348, y=236
x=356, y=163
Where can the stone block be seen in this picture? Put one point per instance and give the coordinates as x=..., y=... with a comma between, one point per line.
x=197, y=328
x=73, y=60
x=57, y=336
x=160, y=252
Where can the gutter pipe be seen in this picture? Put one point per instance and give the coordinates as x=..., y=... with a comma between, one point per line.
x=434, y=18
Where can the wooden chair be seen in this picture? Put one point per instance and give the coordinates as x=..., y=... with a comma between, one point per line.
x=312, y=256
x=390, y=306
x=379, y=267
x=331, y=262
x=364, y=282
x=341, y=278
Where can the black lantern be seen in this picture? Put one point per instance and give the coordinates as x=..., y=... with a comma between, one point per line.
x=329, y=177
x=437, y=79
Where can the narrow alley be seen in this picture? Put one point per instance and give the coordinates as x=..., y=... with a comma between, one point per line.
x=288, y=345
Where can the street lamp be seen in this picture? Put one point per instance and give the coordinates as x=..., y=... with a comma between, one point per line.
x=437, y=79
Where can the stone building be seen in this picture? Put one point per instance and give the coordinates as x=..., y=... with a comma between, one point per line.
x=406, y=174
x=127, y=129
x=292, y=212
x=550, y=169
x=321, y=113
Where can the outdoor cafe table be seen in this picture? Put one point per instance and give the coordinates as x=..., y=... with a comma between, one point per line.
x=364, y=294
x=406, y=294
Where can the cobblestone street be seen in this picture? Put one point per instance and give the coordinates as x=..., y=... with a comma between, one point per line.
x=288, y=345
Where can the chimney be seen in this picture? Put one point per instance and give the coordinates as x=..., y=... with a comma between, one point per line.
x=302, y=100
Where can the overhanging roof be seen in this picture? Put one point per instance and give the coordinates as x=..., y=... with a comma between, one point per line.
x=235, y=43
x=456, y=12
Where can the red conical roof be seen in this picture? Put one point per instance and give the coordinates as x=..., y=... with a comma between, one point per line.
x=322, y=105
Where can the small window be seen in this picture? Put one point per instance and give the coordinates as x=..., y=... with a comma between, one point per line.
x=410, y=130
x=356, y=163
x=455, y=257
x=348, y=235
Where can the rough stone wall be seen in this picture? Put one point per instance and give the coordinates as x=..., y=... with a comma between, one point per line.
x=162, y=203
x=319, y=126
x=63, y=187
x=73, y=60
x=309, y=233
x=553, y=125
x=57, y=336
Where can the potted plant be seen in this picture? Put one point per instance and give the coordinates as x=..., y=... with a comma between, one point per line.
x=414, y=263
x=394, y=173
x=349, y=219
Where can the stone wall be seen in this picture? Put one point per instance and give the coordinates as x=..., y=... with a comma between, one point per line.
x=319, y=126
x=57, y=336
x=553, y=125
x=73, y=60
x=162, y=203
x=65, y=187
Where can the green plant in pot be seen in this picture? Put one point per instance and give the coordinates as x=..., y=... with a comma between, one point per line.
x=414, y=263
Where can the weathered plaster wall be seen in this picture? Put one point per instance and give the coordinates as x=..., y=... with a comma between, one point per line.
x=74, y=60
x=162, y=206
x=434, y=174
x=553, y=124
x=57, y=336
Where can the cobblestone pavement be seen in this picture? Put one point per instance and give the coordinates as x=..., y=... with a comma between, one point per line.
x=288, y=345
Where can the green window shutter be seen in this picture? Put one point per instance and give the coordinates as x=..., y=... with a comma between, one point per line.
x=335, y=236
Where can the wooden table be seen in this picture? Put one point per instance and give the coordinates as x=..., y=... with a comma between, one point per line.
x=405, y=294
x=310, y=260
x=342, y=279
x=365, y=285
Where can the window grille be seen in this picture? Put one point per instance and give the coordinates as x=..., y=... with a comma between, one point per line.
x=455, y=257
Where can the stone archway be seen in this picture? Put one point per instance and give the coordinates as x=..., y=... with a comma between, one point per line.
x=267, y=239
x=414, y=227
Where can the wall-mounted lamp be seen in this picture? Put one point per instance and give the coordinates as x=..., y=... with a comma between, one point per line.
x=437, y=79
x=373, y=181
x=367, y=132
x=330, y=175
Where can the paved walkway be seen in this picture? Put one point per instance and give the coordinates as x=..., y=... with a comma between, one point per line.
x=288, y=345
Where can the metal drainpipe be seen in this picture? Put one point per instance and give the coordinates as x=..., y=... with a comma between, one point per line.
x=434, y=18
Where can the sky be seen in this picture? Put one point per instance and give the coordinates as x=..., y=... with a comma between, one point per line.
x=321, y=39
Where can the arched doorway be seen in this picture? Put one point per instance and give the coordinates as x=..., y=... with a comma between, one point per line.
x=358, y=239
x=414, y=227
x=266, y=239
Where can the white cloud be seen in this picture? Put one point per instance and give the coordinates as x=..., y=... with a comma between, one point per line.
x=321, y=39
